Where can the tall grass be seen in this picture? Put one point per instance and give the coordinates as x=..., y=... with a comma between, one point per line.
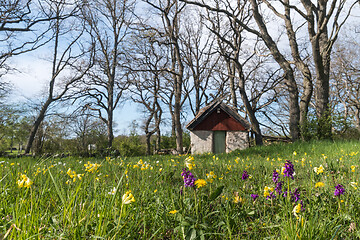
x=68, y=200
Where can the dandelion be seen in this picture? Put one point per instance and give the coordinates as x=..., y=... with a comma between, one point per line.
x=319, y=169
x=200, y=183
x=352, y=168
x=24, y=181
x=173, y=211
x=128, y=198
x=319, y=185
x=189, y=179
x=245, y=175
x=339, y=190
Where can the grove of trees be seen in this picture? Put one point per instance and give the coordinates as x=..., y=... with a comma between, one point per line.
x=291, y=67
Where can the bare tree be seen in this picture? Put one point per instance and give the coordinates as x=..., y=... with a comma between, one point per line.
x=262, y=32
x=169, y=12
x=199, y=58
x=67, y=57
x=345, y=78
x=147, y=64
x=108, y=24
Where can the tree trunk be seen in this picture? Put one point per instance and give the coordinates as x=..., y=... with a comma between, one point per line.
x=36, y=126
x=322, y=66
x=249, y=110
x=294, y=110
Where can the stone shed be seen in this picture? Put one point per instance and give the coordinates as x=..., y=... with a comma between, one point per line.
x=218, y=128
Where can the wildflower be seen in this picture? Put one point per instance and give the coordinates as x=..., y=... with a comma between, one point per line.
x=91, y=167
x=189, y=162
x=339, y=190
x=297, y=209
x=267, y=191
x=24, y=181
x=294, y=153
x=319, y=184
x=278, y=187
x=189, y=179
x=319, y=170
x=288, y=169
x=354, y=185
x=173, y=211
x=245, y=175
x=113, y=191
x=128, y=198
x=352, y=168
x=296, y=195
x=200, y=183
x=238, y=199
x=275, y=176
x=210, y=176
x=254, y=196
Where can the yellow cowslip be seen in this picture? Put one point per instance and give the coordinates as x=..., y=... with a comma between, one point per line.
x=91, y=167
x=128, y=198
x=354, y=185
x=200, y=183
x=319, y=169
x=189, y=162
x=297, y=210
x=210, y=176
x=24, y=181
x=319, y=184
x=238, y=199
x=173, y=211
x=267, y=191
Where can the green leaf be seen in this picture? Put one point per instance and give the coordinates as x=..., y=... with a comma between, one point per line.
x=216, y=193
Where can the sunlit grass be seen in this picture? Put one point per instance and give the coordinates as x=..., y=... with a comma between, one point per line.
x=145, y=198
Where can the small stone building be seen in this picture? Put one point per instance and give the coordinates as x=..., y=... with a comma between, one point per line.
x=218, y=128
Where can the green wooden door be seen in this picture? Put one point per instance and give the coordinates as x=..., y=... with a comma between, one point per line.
x=219, y=141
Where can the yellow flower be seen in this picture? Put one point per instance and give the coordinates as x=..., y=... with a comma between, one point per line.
x=294, y=153
x=200, y=183
x=352, y=168
x=91, y=167
x=113, y=191
x=189, y=162
x=319, y=170
x=173, y=211
x=297, y=210
x=354, y=185
x=128, y=198
x=24, y=181
x=238, y=199
x=319, y=185
x=267, y=191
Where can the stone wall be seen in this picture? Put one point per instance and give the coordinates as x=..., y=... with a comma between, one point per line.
x=236, y=140
x=201, y=142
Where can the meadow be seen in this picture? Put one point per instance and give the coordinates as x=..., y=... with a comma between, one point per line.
x=283, y=191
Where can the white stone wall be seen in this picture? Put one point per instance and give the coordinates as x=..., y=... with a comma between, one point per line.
x=236, y=140
x=201, y=142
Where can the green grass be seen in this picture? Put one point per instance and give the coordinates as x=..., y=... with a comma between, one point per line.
x=56, y=206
